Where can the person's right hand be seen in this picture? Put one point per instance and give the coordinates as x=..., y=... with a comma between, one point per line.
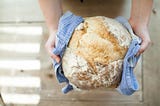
x=50, y=45
x=141, y=30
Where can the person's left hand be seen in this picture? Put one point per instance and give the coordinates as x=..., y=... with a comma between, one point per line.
x=142, y=32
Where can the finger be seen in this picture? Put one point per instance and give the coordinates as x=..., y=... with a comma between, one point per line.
x=143, y=47
x=52, y=55
x=55, y=57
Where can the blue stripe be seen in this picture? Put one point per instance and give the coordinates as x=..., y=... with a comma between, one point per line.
x=67, y=23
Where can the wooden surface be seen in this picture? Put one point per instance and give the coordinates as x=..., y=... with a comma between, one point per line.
x=23, y=15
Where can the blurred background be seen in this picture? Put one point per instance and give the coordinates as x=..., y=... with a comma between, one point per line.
x=26, y=74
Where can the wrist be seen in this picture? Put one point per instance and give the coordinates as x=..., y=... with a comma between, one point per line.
x=138, y=25
x=52, y=31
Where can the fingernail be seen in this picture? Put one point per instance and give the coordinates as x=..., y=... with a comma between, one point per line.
x=58, y=60
x=138, y=54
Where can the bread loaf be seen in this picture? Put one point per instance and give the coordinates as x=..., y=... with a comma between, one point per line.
x=95, y=53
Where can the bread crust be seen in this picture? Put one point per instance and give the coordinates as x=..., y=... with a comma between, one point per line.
x=95, y=53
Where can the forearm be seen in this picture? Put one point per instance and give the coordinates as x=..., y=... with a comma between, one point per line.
x=139, y=19
x=52, y=11
x=140, y=12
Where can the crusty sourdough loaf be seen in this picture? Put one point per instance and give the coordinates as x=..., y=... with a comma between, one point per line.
x=95, y=53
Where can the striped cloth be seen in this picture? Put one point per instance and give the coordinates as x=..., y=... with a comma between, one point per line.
x=67, y=23
x=129, y=83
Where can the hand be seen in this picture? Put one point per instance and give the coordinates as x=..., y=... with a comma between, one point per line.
x=50, y=44
x=142, y=32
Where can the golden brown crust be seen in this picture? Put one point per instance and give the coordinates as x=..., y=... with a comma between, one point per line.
x=96, y=44
x=95, y=54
